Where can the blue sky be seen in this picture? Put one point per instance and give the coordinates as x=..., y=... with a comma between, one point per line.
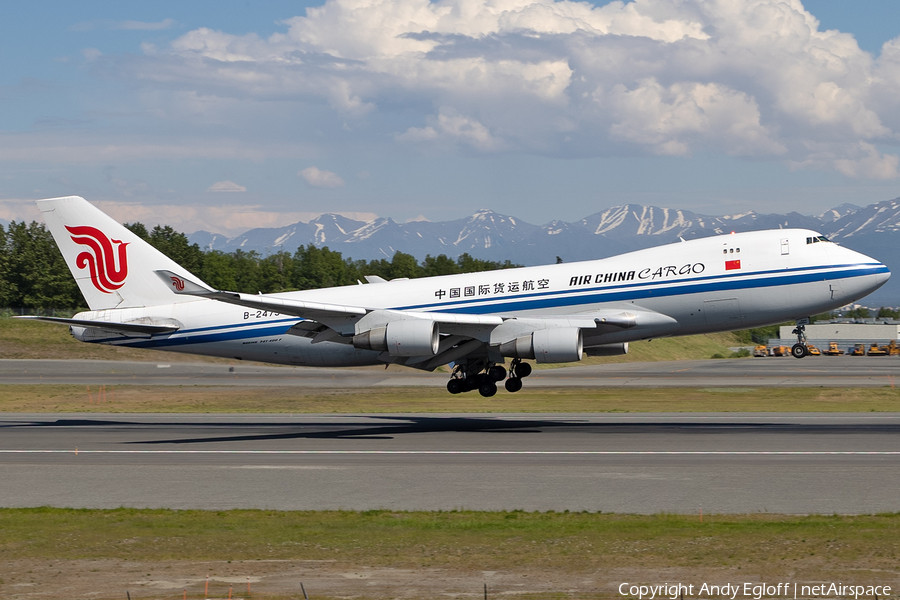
x=229, y=115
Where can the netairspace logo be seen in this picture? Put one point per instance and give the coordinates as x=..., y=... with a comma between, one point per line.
x=754, y=591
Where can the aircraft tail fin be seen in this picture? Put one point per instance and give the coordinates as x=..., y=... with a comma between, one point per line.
x=114, y=268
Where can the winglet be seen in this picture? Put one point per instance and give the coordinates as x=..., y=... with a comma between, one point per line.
x=182, y=286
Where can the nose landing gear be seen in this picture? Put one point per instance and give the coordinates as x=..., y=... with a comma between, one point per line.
x=485, y=380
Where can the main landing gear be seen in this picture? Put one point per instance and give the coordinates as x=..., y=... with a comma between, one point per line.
x=799, y=350
x=466, y=378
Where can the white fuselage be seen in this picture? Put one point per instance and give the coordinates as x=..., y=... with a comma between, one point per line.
x=722, y=283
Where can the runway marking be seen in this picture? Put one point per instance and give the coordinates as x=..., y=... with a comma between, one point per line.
x=490, y=452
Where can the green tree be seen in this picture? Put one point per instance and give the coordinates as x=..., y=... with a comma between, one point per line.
x=7, y=289
x=860, y=312
x=246, y=269
x=403, y=265
x=139, y=229
x=275, y=273
x=315, y=268
x=886, y=312
x=36, y=270
x=467, y=264
x=176, y=246
x=219, y=270
x=380, y=267
x=439, y=265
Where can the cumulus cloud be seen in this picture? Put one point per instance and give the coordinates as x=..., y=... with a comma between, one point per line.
x=455, y=127
x=226, y=186
x=750, y=78
x=872, y=164
x=318, y=178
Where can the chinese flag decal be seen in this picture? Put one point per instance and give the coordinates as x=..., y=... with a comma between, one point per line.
x=731, y=265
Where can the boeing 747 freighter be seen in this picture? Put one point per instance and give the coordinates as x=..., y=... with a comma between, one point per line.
x=474, y=321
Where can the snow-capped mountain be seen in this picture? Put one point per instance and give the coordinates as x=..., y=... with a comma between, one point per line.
x=874, y=230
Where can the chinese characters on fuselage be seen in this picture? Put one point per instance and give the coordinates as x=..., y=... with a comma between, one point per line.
x=493, y=289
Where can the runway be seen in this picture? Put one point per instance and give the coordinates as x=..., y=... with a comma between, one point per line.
x=724, y=463
x=753, y=372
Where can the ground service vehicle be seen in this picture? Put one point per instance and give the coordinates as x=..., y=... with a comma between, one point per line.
x=833, y=349
x=876, y=350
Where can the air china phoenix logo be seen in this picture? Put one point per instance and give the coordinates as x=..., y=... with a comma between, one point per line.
x=177, y=283
x=105, y=258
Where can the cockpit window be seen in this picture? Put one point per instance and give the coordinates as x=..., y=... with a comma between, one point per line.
x=817, y=239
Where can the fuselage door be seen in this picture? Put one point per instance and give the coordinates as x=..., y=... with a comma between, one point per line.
x=785, y=246
x=723, y=313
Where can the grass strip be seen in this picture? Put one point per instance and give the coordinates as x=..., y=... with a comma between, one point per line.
x=227, y=399
x=570, y=542
x=36, y=340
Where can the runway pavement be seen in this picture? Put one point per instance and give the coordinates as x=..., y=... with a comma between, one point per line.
x=756, y=372
x=726, y=463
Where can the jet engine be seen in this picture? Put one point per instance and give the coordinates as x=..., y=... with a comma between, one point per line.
x=607, y=350
x=409, y=337
x=558, y=344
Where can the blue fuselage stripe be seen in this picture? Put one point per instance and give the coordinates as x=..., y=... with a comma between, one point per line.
x=541, y=300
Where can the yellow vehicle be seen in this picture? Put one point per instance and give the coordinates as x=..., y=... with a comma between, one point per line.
x=812, y=350
x=781, y=351
x=876, y=350
x=833, y=349
x=761, y=351
x=893, y=349
x=858, y=350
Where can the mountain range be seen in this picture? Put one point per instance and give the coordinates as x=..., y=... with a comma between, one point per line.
x=873, y=230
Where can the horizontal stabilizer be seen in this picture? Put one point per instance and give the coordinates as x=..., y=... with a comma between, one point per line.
x=126, y=328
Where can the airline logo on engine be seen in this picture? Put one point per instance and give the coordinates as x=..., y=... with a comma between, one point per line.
x=106, y=259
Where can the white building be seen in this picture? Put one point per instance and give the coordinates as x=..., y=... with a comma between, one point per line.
x=846, y=335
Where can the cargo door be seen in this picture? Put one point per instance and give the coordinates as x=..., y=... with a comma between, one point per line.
x=724, y=313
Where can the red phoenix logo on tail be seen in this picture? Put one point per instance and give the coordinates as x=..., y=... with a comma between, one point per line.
x=177, y=283
x=108, y=265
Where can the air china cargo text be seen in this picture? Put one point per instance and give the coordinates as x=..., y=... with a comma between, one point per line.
x=648, y=274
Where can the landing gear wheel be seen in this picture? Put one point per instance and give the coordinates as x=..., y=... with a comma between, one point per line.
x=455, y=386
x=523, y=370
x=513, y=385
x=487, y=389
x=497, y=373
x=799, y=350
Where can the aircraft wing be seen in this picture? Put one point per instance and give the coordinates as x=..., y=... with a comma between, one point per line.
x=460, y=334
x=335, y=316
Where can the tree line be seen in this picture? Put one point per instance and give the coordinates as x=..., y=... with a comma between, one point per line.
x=34, y=275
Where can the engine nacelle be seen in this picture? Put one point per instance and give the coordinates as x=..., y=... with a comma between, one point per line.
x=607, y=350
x=409, y=337
x=558, y=344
